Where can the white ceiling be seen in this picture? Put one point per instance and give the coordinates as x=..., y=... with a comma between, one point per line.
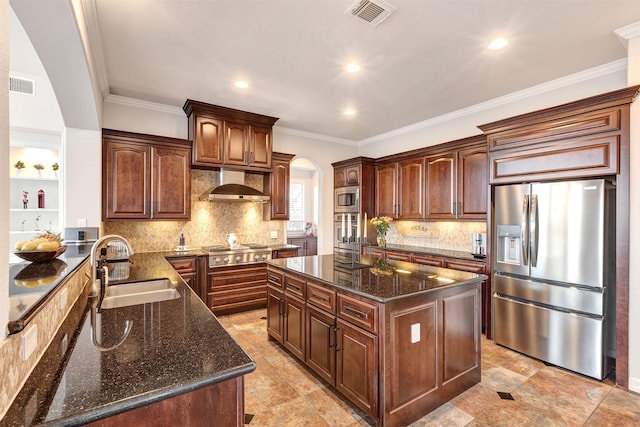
x=427, y=59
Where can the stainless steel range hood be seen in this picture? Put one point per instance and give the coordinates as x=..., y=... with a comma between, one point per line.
x=232, y=188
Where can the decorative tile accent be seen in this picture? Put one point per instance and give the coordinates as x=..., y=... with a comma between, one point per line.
x=505, y=396
x=439, y=235
x=13, y=371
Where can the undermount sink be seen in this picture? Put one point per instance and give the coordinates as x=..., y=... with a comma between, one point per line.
x=136, y=293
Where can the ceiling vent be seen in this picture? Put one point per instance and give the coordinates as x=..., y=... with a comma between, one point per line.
x=21, y=85
x=373, y=12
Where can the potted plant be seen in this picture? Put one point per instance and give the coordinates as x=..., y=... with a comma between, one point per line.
x=39, y=167
x=382, y=225
x=19, y=166
x=55, y=168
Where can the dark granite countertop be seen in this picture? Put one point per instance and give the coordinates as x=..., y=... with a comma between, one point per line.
x=30, y=283
x=375, y=278
x=283, y=246
x=173, y=347
x=432, y=251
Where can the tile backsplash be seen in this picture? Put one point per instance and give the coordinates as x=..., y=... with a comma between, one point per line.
x=439, y=235
x=210, y=221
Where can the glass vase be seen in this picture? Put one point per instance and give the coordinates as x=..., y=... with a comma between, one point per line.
x=382, y=240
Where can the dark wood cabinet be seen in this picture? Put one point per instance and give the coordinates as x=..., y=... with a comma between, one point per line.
x=357, y=366
x=284, y=253
x=275, y=305
x=236, y=288
x=276, y=185
x=346, y=176
x=386, y=190
x=145, y=177
x=227, y=137
x=321, y=342
x=308, y=245
x=456, y=182
x=294, y=317
x=190, y=269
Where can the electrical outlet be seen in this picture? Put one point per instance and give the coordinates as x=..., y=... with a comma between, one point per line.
x=82, y=222
x=274, y=234
x=415, y=333
x=29, y=342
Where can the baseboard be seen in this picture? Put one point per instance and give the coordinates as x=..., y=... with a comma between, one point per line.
x=634, y=384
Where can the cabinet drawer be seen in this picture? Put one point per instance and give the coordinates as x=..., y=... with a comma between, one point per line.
x=358, y=312
x=236, y=278
x=184, y=265
x=376, y=252
x=428, y=260
x=294, y=285
x=398, y=256
x=233, y=298
x=275, y=278
x=471, y=267
x=321, y=296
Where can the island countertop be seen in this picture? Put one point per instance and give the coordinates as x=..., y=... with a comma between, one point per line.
x=173, y=347
x=377, y=279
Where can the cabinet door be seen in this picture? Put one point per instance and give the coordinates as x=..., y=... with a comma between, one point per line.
x=472, y=183
x=294, y=326
x=357, y=367
x=427, y=260
x=126, y=181
x=260, y=147
x=236, y=149
x=208, y=137
x=352, y=175
x=441, y=187
x=398, y=256
x=386, y=196
x=171, y=184
x=410, y=189
x=312, y=246
x=275, y=314
x=279, y=187
x=478, y=268
x=321, y=354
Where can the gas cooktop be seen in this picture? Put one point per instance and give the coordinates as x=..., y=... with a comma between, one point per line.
x=240, y=248
x=249, y=253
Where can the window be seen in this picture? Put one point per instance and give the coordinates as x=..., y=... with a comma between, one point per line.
x=296, y=207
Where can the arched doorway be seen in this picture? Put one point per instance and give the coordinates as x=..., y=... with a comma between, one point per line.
x=305, y=190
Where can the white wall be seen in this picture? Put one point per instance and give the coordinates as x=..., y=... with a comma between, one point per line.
x=4, y=166
x=82, y=162
x=464, y=123
x=633, y=76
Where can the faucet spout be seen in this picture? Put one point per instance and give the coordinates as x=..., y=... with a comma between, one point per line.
x=98, y=263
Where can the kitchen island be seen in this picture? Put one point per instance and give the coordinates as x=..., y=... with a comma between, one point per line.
x=395, y=338
x=173, y=362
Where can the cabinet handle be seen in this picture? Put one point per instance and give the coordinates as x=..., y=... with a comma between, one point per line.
x=329, y=336
x=281, y=307
x=459, y=207
x=353, y=312
x=335, y=337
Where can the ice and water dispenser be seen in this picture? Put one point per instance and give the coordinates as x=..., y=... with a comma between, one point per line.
x=509, y=244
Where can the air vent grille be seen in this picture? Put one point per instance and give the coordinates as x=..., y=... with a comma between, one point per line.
x=21, y=85
x=373, y=12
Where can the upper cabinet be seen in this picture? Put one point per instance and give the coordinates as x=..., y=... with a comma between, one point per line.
x=276, y=185
x=226, y=137
x=579, y=139
x=456, y=181
x=345, y=176
x=400, y=189
x=145, y=177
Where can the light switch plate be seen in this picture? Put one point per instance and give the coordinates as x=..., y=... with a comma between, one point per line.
x=274, y=234
x=415, y=333
x=29, y=341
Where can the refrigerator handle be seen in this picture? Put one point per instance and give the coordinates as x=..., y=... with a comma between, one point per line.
x=524, y=230
x=533, y=230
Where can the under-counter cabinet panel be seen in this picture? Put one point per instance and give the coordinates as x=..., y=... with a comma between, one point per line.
x=236, y=288
x=321, y=341
x=145, y=177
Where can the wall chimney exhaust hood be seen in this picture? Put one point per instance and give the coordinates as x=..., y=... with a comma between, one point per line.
x=233, y=189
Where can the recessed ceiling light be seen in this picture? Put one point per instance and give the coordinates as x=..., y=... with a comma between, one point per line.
x=241, y=84
x=349, y=112
x=353, y=67
x=498, y=43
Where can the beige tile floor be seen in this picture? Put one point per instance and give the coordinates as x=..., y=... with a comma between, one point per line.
x=282, y=392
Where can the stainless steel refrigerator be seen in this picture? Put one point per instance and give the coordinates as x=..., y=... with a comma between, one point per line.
x=554, y=272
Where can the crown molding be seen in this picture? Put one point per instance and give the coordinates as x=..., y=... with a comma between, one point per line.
x=628, y=32
x=146, y=105
x=87, y=18
x=316, y=136
x=549, y=86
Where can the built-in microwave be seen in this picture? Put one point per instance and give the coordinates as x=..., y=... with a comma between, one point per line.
x=347, y=199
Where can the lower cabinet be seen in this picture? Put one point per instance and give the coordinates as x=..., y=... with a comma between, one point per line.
x=236, y=288
x=188, y=267
x=321, y=343
x=284, y=253
x=308, y=245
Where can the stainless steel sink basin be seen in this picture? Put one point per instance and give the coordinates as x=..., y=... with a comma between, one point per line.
x=136, y=293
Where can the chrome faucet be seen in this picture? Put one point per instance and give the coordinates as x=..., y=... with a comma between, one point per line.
x=98, y=286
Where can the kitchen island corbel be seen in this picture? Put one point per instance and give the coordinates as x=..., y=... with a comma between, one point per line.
x=396, y=339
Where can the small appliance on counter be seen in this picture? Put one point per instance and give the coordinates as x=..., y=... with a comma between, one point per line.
x=479, y=245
